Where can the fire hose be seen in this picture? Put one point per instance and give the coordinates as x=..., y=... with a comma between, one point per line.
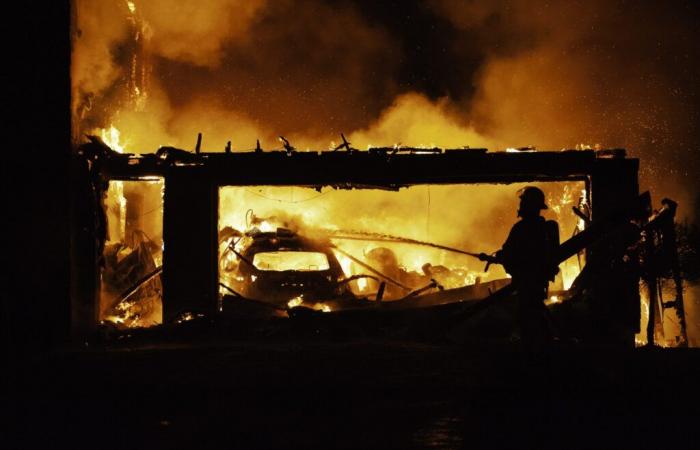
x=377, y=237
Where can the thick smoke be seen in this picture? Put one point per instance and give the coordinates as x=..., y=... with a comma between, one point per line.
x=412, y=119
x=197, y=32
x=93, y=67
x=618, y=74
x=440, y=72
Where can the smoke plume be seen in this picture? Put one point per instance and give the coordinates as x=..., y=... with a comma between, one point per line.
x=441, y=72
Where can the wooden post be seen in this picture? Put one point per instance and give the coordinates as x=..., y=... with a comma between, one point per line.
x=190, y=235
x=198, y=147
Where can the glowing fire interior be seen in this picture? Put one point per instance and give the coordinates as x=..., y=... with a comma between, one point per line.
x=362, y=230
x=386, y=230
x=130, y=288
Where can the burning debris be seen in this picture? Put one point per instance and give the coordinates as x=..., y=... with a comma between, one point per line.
x=131, y=292
x=129, y=229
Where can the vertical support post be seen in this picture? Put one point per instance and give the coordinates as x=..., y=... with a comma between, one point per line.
x=651, y=283
x=198, y=147
x=615, y=303
x=190, y=233
x=86, y=232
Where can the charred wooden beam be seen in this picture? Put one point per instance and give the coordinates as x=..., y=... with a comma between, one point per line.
x=371, y=168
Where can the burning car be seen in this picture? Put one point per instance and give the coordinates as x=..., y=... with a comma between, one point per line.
x=281, y=267
x=284, y=269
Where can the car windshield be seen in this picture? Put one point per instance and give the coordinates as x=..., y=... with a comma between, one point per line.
x=291, y=260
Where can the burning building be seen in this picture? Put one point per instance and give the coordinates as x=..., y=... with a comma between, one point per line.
x=377, y=231
x=181, y=235
x=347, y=268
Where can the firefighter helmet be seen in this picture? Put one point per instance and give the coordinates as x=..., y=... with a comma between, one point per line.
x=532, y=197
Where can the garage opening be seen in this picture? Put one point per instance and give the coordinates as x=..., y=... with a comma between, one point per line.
x=327, y=248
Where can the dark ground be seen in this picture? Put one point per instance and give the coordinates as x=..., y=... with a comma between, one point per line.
x=354, y=395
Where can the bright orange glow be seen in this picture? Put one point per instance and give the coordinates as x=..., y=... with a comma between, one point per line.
x=134, y=248
x=467, y=217
x=296, y=301
x=289, y=260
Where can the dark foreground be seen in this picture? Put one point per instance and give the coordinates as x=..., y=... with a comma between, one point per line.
x=353, y=395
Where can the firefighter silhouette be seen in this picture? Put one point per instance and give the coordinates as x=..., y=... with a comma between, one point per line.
x=529, y=256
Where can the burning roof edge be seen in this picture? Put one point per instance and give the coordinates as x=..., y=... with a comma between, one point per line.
x=382, y=166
